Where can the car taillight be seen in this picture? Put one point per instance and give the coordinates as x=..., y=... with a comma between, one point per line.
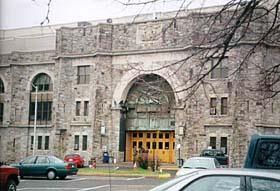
x=227, y=161
x=68, y=166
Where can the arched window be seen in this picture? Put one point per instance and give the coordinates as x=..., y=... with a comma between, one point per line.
x=44, y=99
x=43, y=82
x=2, y=89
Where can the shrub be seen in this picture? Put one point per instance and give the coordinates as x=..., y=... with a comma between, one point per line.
x=143, y=163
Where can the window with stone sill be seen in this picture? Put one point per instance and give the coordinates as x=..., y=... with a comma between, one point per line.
x=221, y=71
x=47, y=142
x=40, y=140
x=224, y=106
x=86, y=105
x=31, y=142
x=2, y=89
x=83, y=75
x=76, y=142
x=213, y=141
x=1, y=112
x=78, y=108
x=84, y=146
x=213, y=106
x=44, y=111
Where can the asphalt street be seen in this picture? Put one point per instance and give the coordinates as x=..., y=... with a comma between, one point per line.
x=87, y=183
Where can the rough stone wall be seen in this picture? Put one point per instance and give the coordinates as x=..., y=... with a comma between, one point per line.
x=17, y=71
x=84, y=40
x=112, y=51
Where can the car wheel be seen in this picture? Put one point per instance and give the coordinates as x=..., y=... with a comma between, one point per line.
x=51, y=175
x=11, y=186
x=62, y=177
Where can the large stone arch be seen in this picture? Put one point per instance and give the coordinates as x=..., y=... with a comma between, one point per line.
x=122, y=88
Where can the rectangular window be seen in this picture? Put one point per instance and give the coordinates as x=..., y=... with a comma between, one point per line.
x=1, y=112
x=31, y=142
x=166, y=146
x=224, y=106
x=40, y=138
x=220, y=71
x=78, y=108
x=224, y=144
x=44, y=111
x=86, y=104
x=213, y=142
x=83, y=74
x=167, y=135
x=148, y=145
x=213, y=106
x=76, y=142
x=47, y=142
x=84, y=142
x=134, y=144
x=140, y=144
x=154, y=145
x=154, y=135
x=160, y=145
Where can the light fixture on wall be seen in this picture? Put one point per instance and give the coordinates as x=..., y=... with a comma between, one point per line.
x=102, y=129
x=181, y=130
x=60, y=131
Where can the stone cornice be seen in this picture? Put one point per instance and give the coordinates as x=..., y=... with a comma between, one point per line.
x=218, y=125
x=80, y=124
x=152, y=51
x=26, y=126
x=267, y=125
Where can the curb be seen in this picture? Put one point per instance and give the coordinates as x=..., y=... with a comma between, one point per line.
x=170, y=168
x=165, y=175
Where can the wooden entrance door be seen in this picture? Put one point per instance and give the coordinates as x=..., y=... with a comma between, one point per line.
x=159, y=144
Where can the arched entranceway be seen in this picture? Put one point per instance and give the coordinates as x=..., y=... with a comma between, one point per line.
x=149, y=118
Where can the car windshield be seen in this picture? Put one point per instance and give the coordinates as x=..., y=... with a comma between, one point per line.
x=199, y=163
x=172, y=182
x=55, y=160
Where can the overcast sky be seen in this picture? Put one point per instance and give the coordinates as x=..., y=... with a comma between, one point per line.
x=27, y=13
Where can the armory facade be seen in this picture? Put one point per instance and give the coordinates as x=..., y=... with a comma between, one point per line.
x=95, y=93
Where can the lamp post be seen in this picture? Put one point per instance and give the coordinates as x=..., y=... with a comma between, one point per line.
x=35, y=120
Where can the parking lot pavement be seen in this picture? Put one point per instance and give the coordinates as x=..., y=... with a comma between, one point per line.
x=87, y=183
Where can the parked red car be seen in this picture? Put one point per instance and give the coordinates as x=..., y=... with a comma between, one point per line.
x=8, y=177
x=75, y=158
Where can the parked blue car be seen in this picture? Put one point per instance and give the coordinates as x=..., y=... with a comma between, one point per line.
x=46, y=165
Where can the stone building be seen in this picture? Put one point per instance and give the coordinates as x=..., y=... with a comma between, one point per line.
x=114, y=85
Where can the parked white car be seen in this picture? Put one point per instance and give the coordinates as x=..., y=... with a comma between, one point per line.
x=197, y=163
x=224, y=180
